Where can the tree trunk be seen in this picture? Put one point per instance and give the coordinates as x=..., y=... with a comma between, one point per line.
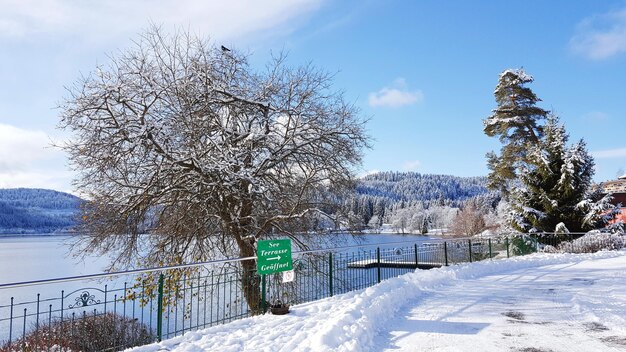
x=250, y=281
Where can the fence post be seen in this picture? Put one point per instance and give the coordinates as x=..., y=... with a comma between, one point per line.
x=330, y=273
x=490, y=252
x=445, y=251
x=506, y=243
x=469, y=245
x=378, y=262
x=416, y=262
x=263, y=295
x=62, y=305
x=160, y=309
x=11, y=323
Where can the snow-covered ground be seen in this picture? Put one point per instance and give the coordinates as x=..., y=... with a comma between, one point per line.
x=535, y=303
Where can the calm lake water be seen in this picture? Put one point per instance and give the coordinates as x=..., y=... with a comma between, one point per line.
x=37, y=257
x=28, y=258
x=42, y=257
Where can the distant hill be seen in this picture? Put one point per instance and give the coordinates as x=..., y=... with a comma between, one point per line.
x=379, y=196
x=27, y=210
x=32, y=210
x=413, y=186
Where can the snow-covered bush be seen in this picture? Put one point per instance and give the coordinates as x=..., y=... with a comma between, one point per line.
x=90, y=333
x=550, y=249
x=561, y=229
x=593, y=242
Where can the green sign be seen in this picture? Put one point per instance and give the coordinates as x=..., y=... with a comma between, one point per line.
x=273, y=256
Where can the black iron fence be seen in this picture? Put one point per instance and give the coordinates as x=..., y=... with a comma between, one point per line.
x=113, y=311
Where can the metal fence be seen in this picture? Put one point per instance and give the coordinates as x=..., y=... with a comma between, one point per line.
x=113, y=311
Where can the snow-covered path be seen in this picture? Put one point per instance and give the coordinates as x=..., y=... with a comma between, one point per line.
x=563, y=307
x=536, y=303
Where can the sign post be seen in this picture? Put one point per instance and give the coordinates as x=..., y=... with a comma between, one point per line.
x=273, y=256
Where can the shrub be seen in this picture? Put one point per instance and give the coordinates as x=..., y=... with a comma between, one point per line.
x=593, y=242
x=108, y=331
x=522, y=245
x=550, y=249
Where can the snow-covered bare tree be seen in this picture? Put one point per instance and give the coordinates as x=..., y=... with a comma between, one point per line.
x=501, y=218
x=469, y=221
x=442, y=217
x=517, y=122
x=401, y=219
x=220, y=155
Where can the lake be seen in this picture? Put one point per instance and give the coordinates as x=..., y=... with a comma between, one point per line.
x=28, y=258
x=36, y=257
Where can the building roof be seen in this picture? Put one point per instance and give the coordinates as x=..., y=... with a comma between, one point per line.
x=618, y=186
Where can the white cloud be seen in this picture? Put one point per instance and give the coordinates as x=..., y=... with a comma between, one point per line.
x=97, y=19
x=412, y=165
x=601, y=36
x=610, y=153
x=395, y=96
x=20, y=147
x=28, y=160
x=49, y=179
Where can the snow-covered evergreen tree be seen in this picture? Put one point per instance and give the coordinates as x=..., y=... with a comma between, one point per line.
x=554, y=180
x=517, y=122
x=602, y=212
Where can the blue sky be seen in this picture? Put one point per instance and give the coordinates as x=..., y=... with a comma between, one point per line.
x=422, y=71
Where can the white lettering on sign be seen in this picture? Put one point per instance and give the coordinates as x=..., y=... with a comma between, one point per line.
x=265, y=253
x=274, y=266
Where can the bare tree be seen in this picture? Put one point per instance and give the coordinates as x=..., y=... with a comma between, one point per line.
x=182, y=134
x=469, y=221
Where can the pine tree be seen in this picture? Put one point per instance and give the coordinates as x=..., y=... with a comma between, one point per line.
x=517, y=122
x=601, y=213
x=555, y=180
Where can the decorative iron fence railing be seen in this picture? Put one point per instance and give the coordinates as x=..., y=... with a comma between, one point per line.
x=113, y=311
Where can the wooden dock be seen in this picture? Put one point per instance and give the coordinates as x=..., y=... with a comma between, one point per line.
x=373, y=263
